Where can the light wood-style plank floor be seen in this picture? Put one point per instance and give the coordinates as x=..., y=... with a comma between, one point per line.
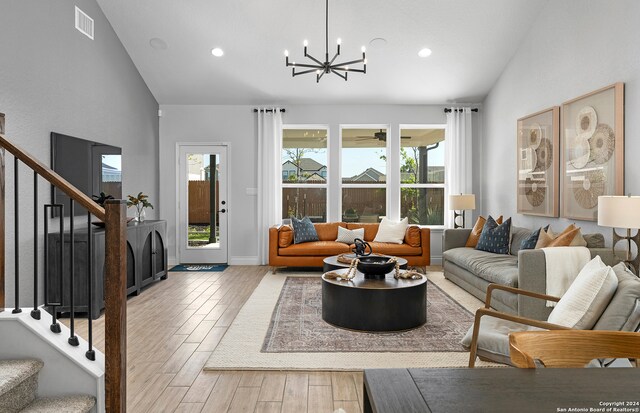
x=173, y=327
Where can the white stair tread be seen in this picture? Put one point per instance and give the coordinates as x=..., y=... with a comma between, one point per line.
x=61, y=404
x=14, y=372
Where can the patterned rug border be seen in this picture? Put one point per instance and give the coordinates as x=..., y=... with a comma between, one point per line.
x=430, y=284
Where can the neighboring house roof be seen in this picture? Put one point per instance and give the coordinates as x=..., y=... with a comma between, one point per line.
x=369, y=175
x=315, y=178
x=306, y=164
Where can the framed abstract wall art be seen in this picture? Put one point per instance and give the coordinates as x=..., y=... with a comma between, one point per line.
x=592, y=151
x=538, y=163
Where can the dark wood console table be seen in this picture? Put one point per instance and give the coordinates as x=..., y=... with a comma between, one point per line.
x=146, y=263
x=500, y=390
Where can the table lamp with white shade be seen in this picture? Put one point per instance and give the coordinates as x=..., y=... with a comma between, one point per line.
x=461, y=203
x=622, y=212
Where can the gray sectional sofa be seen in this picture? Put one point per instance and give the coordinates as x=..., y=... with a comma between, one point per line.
x=474, y=270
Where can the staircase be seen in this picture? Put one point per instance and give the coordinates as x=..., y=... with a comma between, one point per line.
x=18, y=387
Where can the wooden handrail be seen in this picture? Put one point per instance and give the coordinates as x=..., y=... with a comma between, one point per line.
x=53, y=178
x=114, y=215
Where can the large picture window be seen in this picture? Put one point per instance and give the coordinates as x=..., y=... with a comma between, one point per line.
x=364, y=174
x=304, y=173
x=422, y=175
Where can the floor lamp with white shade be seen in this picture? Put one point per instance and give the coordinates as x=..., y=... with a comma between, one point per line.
x=622, y=212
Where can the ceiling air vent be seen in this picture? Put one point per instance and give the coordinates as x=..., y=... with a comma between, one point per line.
x=84, y=23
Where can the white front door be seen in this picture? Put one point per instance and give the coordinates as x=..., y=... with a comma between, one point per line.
x=202, y=204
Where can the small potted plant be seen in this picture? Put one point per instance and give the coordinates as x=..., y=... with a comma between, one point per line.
x=140, y=202
x=101, y=199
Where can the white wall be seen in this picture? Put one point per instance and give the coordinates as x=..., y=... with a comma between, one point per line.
x=574, y=47
x=237, y=125
x=53, y=78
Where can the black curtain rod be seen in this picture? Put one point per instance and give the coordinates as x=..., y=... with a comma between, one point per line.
x=267, y=110
x=447, y=110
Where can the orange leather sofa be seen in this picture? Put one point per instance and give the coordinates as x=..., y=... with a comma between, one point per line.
x=284, y=253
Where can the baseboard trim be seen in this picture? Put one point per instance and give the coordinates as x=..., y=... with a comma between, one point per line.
x=244, y=260
x=436, y=260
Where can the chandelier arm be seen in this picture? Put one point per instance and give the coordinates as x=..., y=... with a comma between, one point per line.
x=334, y=58
x=304, y=72
x=315, y=60
x=306, y=65
x=349, y=70
x=351, y=62
x=319, y=76
x=344, y=76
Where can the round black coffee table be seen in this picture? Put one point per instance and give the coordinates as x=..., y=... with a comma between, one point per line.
x=332, y=263
x=374, y=305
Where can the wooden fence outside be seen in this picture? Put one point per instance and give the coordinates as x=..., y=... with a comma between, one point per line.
x=199, y=201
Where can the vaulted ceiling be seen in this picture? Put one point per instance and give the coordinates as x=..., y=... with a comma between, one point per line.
x=471, y=40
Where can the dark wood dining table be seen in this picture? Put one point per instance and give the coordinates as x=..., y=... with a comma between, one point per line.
x=496, y=390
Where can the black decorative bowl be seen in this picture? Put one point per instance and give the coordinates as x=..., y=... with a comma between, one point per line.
x=375, y=267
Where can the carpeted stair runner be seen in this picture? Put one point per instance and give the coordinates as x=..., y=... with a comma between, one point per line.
x=18, y=386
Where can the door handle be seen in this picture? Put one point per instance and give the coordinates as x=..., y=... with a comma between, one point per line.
x=222, y=211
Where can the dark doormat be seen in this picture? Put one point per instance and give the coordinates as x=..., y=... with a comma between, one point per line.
x=199, y=267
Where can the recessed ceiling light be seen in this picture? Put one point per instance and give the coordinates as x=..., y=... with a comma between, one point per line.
x=217, y=52
x=424, y=52
x=158, y=43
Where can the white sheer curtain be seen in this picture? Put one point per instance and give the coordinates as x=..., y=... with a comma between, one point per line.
x=269, y=177
x=458, y=157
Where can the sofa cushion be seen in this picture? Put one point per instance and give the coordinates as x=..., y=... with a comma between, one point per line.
x=392, y=231
x=328, y=231
x=563, y=239
x=413, y=236
x=519, y=236
x=495, y=238
x=493, y=337
x=313, y=249
x=285, y=236
x=474, y=236
x=348, y=236
x=370, y=230
x=303, y=230
x=587, y=297
x=387, y=248
x=495, y=268
x=623, y=312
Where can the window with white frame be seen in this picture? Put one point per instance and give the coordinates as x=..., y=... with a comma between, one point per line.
x=304, y=173
x=422, y=185
x=364, y=174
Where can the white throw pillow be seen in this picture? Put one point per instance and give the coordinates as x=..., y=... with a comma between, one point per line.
x=587, y=297
x=347, y=236
x=392, y=231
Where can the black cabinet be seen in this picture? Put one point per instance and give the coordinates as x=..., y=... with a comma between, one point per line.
x=146, y=263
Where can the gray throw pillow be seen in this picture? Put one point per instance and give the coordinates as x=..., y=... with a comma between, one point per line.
x=623, y=312
x=303, y=230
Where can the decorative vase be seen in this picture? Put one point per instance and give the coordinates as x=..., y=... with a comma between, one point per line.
x=140, y=215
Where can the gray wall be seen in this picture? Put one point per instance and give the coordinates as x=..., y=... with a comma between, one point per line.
x=573, y=48
x=53, y=78
x=237, y=126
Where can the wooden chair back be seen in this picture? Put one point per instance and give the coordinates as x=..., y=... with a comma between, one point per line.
x=571, y=348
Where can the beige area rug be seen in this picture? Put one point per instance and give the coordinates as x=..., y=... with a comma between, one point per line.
x=240, y=348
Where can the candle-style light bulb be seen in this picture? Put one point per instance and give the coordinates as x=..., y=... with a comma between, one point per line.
x=305, y=43
x=286, y=53
x=364, y=49
x=339, y=41
x=346, y=68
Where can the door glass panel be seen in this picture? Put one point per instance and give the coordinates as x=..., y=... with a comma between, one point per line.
x=203, y=176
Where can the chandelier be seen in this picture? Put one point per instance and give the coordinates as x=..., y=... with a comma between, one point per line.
x=328, y=66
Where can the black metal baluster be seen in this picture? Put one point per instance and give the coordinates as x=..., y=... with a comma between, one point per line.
x=90, y=354
x=35, y=313
x=73, y=340
x=16, y=235
x=55, y=327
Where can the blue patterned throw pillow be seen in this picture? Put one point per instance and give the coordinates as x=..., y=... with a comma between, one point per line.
x=530, y=242
x=303, y=230
x=495, y=238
